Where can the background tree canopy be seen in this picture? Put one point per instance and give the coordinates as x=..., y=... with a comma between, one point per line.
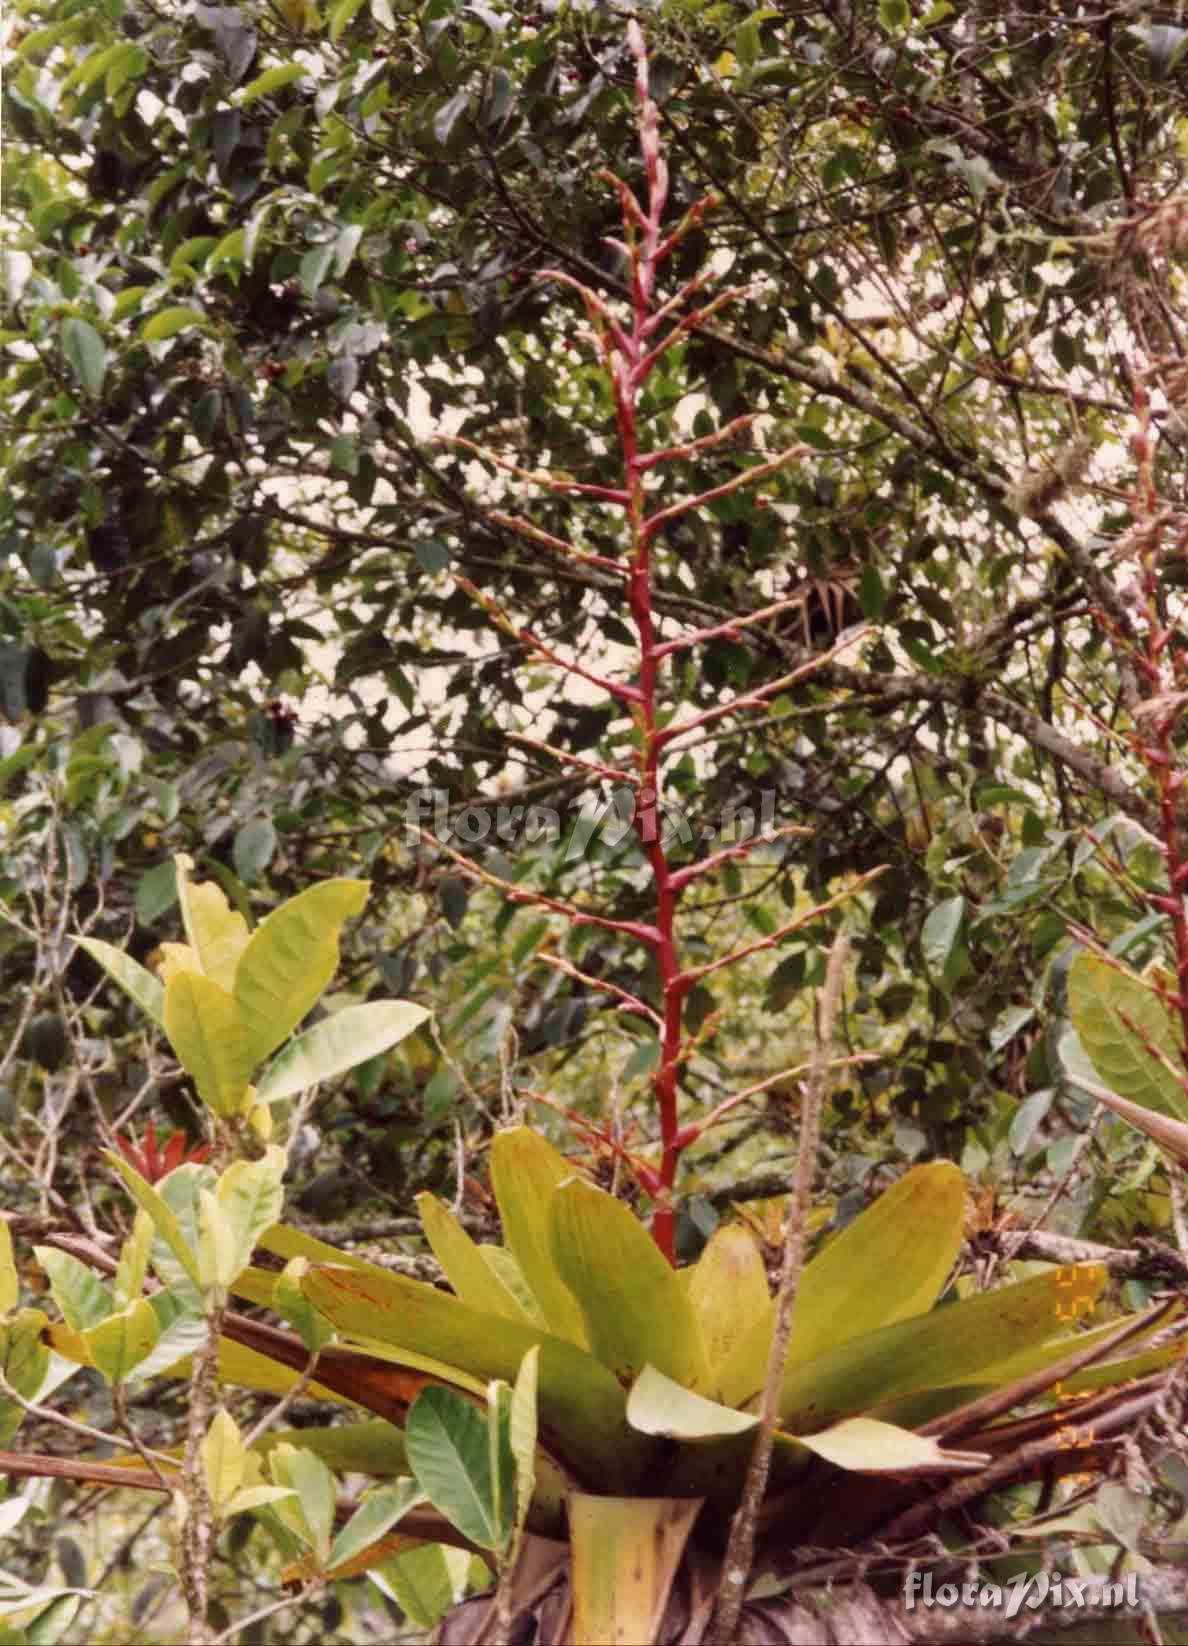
x=261, y=256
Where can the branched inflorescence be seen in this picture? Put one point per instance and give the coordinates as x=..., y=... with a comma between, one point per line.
x=628, y=351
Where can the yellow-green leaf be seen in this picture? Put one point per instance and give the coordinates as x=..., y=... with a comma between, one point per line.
x=658, y=1406
x=728, y=1290
x=909, y=1239
x=339, y=1042
x=77, y=1290
x=473, y=1279
x=250, y=1196
x=525, y=1173
x=522, y=1427
x=947, y=1347
x=867, y=1446
x=311, y=1514
x=167, y=323
x=290, y=958
x=272, y=80
x=218, y=1249
x=10, y=1285
x=581, y=1405
x=118, y=1344
x=217, y=933
x=134, y=1261
x=224, y=1458
x=635, y=1308
x=212, y=1040
x=164, y=1219
x=132, y=977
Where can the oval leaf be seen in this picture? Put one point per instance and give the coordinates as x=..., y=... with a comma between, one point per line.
x=290, y=958
x=168, y=322
x=658, y=1406
x=339, y=1042
x=141, y=985
x=84, y=348
x=446, y=1441
x=1119, y=1018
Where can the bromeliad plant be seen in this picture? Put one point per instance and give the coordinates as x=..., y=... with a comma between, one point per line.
x=576, y=1410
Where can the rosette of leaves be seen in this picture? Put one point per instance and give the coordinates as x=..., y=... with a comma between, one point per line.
x=575, y=1399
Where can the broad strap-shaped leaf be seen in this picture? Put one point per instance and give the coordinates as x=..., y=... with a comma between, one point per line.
x=658, y=1406
x=511, y=1277
x=887, y=1266
x=625, y=1554
x=290, y=958
x=728, y=1290
x=472, y=1278
x=526, y=1171
x=339, y=1042
x=635, y=1308
x=1116, y=1015
x=208, y=1032
x=373, y=1447
x=581, y=1405
x=866, y=1446
x=146, y=990
x=950, y=1346
x=285, y=1242
x=217, y=933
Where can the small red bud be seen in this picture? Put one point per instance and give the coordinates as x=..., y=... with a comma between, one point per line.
x=763, y=502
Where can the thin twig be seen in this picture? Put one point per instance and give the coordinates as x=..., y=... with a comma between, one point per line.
x=740, y=1549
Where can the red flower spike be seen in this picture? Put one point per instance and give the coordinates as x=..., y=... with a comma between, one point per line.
x=152, y=1163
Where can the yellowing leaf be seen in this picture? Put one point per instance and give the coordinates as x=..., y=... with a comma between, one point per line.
x=290, y=958
x=224, y=1458
x=473, y=1279
x=120, y=1343
x=216, y=933
x=909, y=1239
x=945, y=1348
x=209, y=1033
x=635, y=1309
x=625, y=1554
x=525, y=1173
x=728, y=1290
x=10, y=1287
x=868, y=1446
